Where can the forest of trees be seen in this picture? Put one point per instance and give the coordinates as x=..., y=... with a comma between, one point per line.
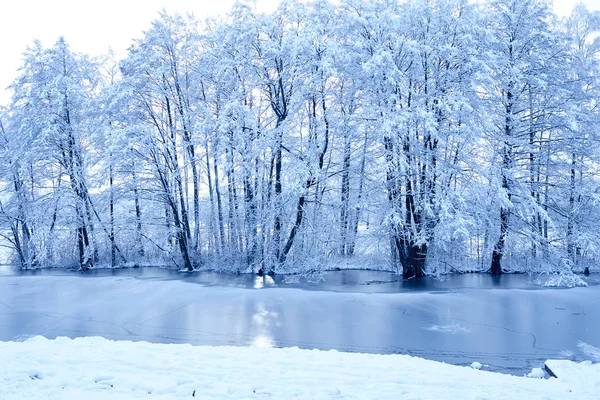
x=415, y=136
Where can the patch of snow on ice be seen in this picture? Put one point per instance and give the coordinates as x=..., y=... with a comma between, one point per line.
x=291, y=279
x=476, y=365
x=569, y=280
x=452, y=328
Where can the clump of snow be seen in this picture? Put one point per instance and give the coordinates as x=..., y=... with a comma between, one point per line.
x=566, y=279
x=590, y=351
x=536, y=373
x=476, y=365
x=94, y=368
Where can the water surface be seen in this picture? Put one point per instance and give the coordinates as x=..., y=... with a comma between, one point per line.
x=509, y=323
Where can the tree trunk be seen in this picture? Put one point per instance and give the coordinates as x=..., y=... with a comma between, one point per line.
x=359, y=194
x=211, y=227
x=345, y=198
x=498, y=252
x=278, y=203
x=138, y=212
x=570, y=217
x=111, y=206
x=221, y=225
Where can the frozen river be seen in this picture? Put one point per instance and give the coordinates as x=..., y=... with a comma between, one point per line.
x=508, y=323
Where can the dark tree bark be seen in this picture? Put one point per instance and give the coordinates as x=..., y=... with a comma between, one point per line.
x=220, y=223
x=138, y=212
x=111, y=207
x=498, y=252
x=345, y=198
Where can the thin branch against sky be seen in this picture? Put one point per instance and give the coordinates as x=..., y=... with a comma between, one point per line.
x=89, y=27
x=93, y=27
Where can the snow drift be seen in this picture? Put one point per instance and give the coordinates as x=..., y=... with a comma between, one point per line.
x=97, y=368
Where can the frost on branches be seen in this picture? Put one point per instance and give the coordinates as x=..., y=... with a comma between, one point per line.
x=423, y=136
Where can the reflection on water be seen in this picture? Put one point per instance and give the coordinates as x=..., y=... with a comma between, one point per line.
x=263, y=323
x=259, y=281
x=264, y=342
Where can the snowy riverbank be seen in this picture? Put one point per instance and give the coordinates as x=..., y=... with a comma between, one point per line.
x=96, y=368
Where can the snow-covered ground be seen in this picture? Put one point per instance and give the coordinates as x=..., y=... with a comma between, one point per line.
x=96, y=368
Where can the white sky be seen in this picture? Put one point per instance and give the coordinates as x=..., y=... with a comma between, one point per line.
x=92, y=26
